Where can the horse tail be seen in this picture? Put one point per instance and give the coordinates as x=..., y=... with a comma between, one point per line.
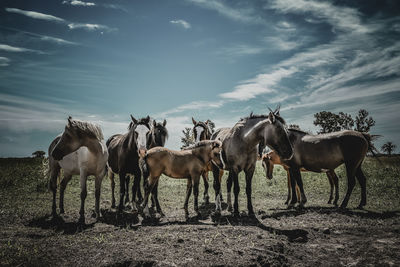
x=371, y=147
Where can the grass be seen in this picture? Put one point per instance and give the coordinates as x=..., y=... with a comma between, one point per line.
x=23, y=188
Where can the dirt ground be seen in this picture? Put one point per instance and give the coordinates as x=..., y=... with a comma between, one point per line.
x=316, y=235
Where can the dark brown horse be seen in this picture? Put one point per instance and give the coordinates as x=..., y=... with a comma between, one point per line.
x=124, y=151
x=324, y=152
x=240, y=149
x=272, y=158
x=189, y=163
x=202, y=131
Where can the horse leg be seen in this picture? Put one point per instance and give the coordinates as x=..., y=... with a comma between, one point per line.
x=196, y=180
x=292, y=176
x=54, y=171
x=152, y=181
x=236, y=190
x=97, y=185
x=63, y=185
x=217, y=188
x=249, y=176
x=229, y=183
x=154, y=193
x=206, y=198
x=136, y=191
x=112, y=176
x=83, y=195
x=330, y=179
x=336, y=183
x=121, y=190
x=299, y=182
x=289, y=187
x=351, y=171
x=188, y=193
x=127, y=180
x=221, y=173
x=363, y=183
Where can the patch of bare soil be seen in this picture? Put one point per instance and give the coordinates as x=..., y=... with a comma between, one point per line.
x=307, y=237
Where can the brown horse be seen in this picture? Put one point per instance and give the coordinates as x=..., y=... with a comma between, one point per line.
x=323, y=152
x=272, y=158
x=189, y=163
x=202, y=131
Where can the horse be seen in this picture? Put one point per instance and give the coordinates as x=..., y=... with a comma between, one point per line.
x=272, y=158
x=78, y=150
x=240, y=148
x=159, y=136
x=189, y=163
x=202, y=131
x=325, y=152
x=124, y=152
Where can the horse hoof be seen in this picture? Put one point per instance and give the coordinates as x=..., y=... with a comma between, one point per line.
x=360, y=207
x=329, y=201
x=236, y=214
x=290, y=206
x=251, y=214
x=230, y=208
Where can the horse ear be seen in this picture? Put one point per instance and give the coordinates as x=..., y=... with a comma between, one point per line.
x=69, y=121
x=133, y=119
x=276, y=112
x=154, y=123
x=164, y=122
x=271, y=117
x=194, y=121
x=207, y=121
x=147, y=119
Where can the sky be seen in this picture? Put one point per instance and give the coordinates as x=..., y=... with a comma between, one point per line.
x=175, y=59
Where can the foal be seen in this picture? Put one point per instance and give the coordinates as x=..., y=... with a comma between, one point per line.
x=272, y=158
x=189, y=163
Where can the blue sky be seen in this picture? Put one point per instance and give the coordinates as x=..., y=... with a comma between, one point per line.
x=218, y=60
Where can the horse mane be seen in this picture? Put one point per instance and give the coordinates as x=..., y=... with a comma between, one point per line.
x=199, y=144
x=92, y=130
x=203, y=124
x=297, y=130
x=263, y=116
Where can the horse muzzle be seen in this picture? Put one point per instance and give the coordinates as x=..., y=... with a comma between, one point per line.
x=142, y=152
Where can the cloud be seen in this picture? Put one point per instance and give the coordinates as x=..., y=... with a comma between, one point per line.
x=241, y=14
x=182, y=23
x=261, y=84
x=195, y=105
x=341, y=18
x=78, y=3
x=8, y=48
x=71, y=25
x=281, y=44
x=4, y=61
x=89, y=26
x=240, y=50
x=35, y=15
x=57, y=40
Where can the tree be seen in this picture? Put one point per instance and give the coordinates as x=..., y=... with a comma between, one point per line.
x=328, y=121
x=363, y=122
x=345, y=121
x=388, y=147
x=187, y=138
x=331, y=122
x=294, y=126
x=38, y=154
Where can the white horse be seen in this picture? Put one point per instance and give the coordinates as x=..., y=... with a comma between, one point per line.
x=78, y=150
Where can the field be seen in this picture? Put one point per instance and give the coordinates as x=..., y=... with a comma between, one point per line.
x=319, y=234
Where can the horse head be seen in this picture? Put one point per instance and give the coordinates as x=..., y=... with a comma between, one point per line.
x=268, y=165
x=201, y=130
x=140, y=131
x=160, y=133
x=76, y=134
